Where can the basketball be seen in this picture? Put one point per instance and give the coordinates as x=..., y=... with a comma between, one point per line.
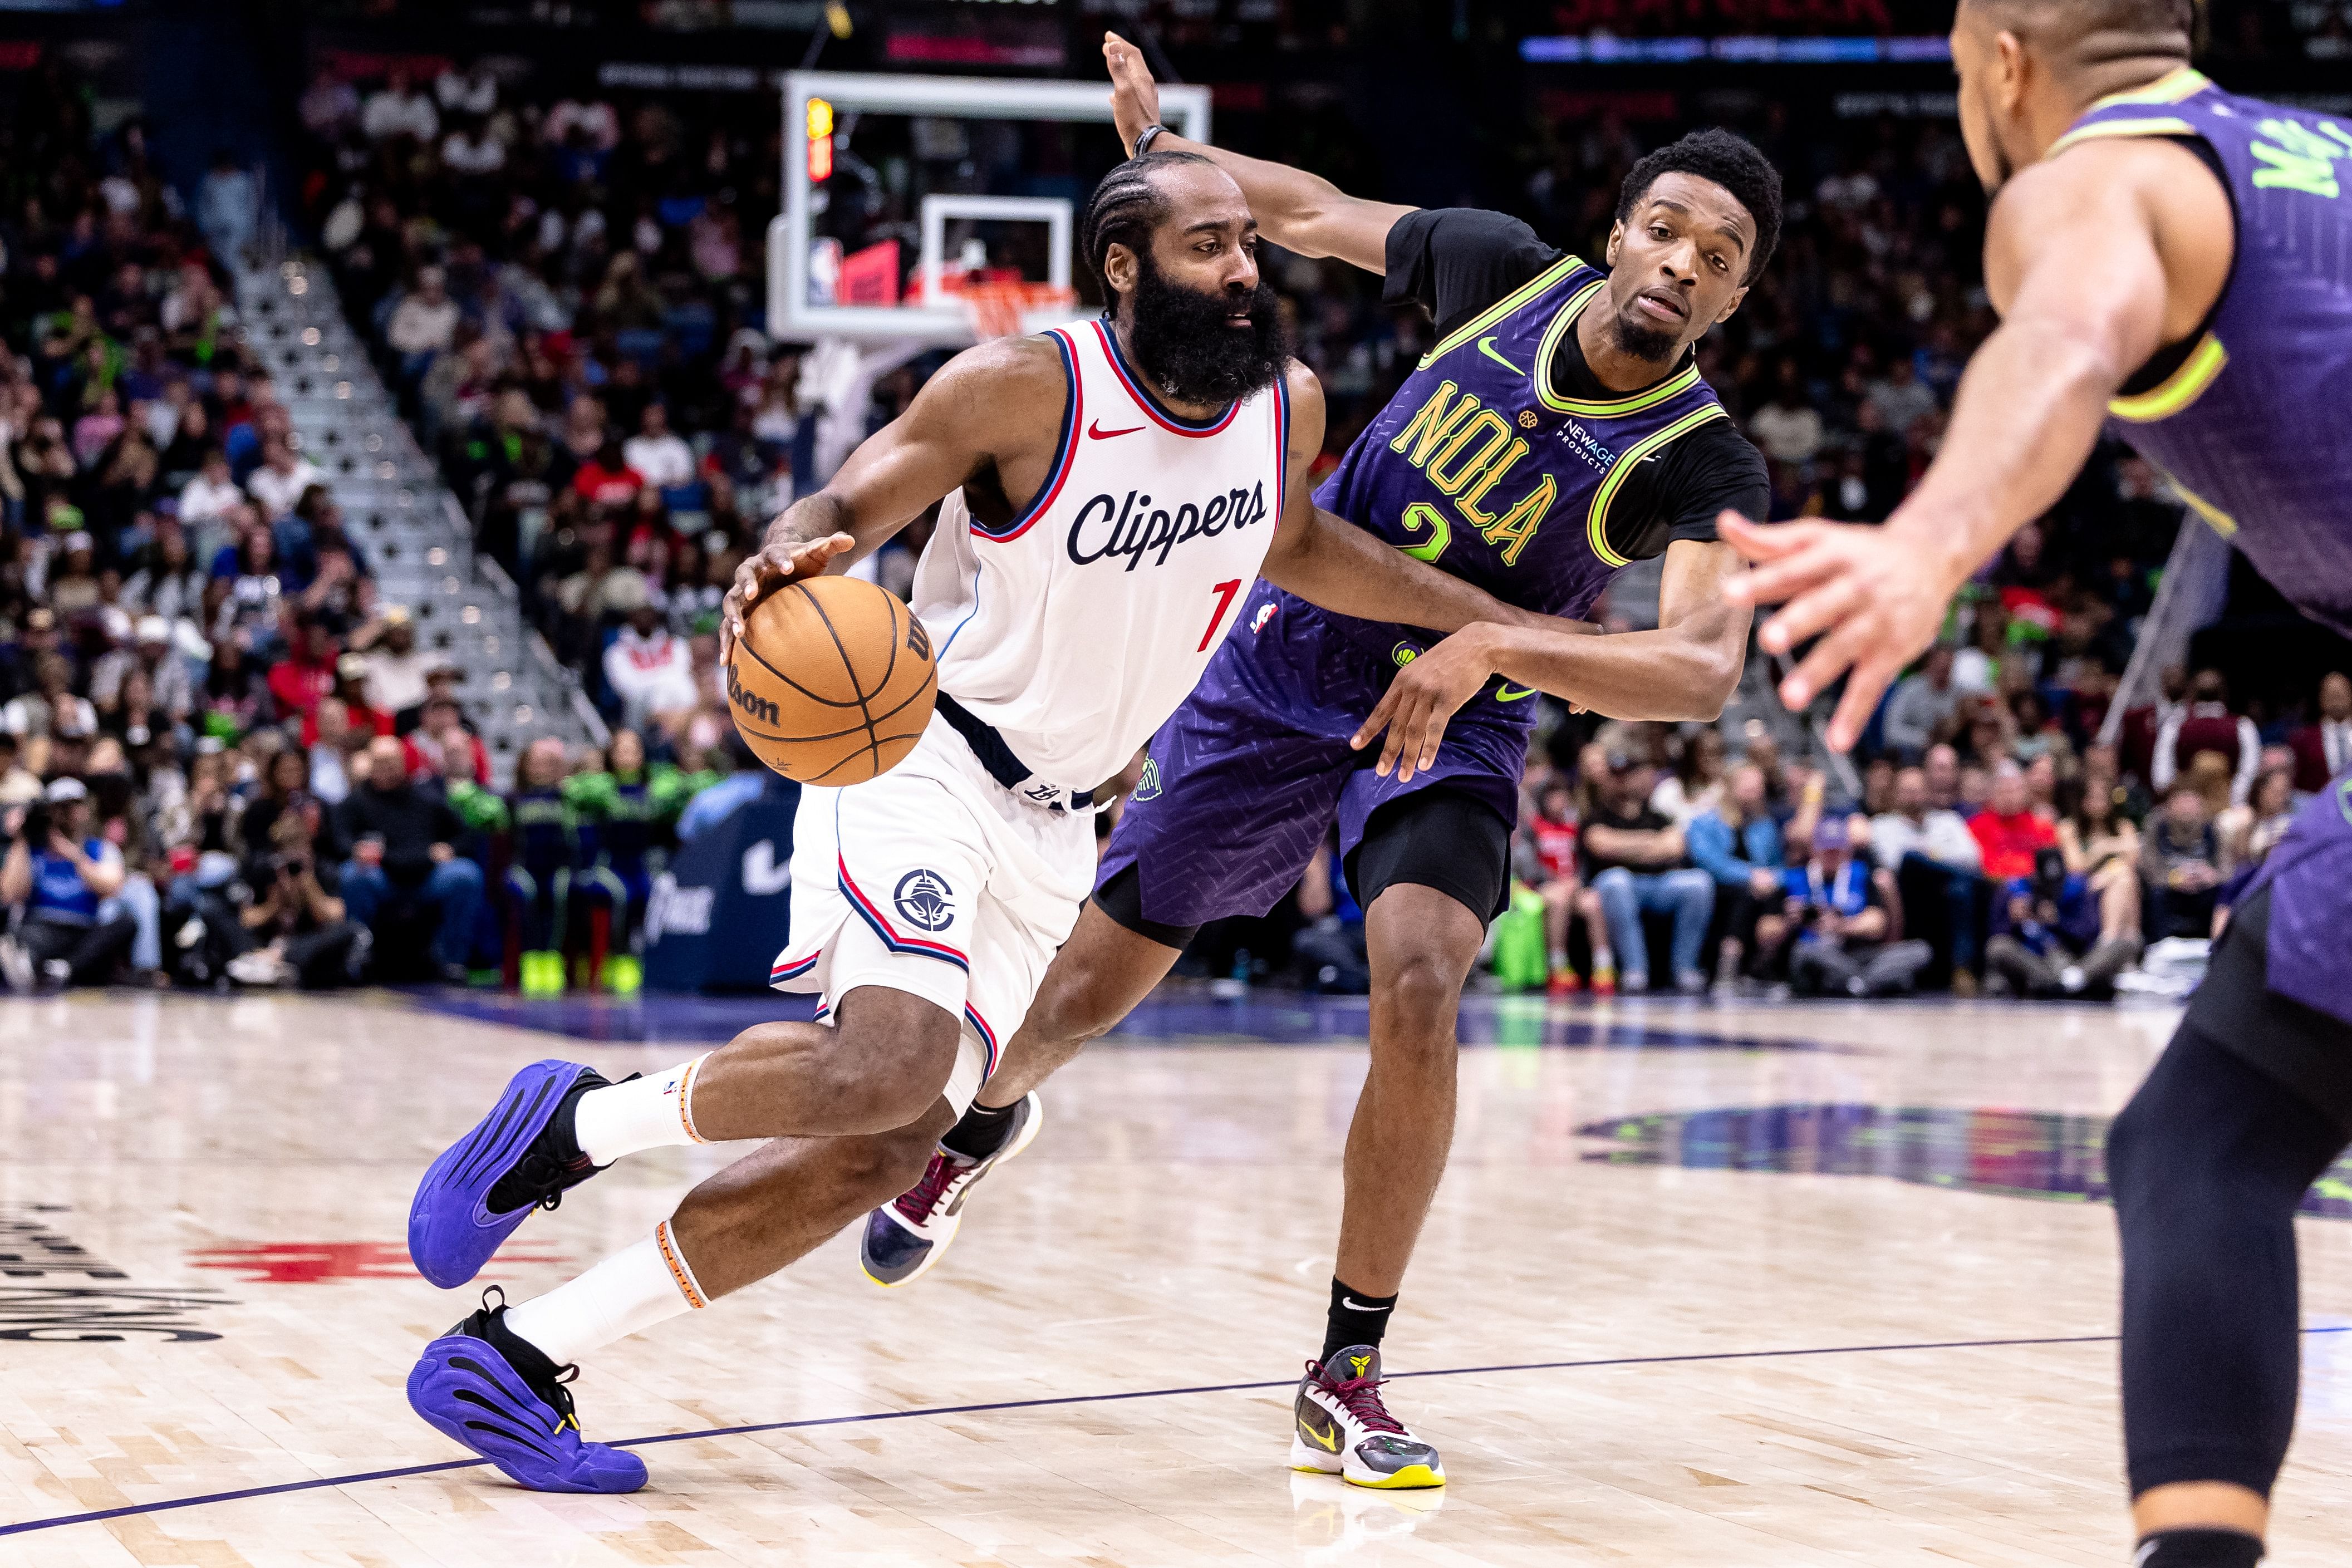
x=832, y=681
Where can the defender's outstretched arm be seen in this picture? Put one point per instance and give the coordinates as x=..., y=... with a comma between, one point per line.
x=1297, y=211
x=1686, y=669
x=1330, y=562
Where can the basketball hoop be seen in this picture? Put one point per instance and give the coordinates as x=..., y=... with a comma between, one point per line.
x=997, y=307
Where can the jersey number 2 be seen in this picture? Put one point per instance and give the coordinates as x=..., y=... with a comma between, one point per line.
x=1224, y=593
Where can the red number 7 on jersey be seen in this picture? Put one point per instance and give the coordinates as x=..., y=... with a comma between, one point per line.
x=1224, y=593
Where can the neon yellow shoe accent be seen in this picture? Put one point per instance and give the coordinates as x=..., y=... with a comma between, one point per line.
x=1407, y=1479
x=624, y=976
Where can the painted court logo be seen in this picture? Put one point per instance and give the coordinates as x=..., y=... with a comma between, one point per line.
x=923, y=900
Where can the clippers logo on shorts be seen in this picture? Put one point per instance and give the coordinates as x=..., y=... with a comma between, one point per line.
x=923, y=899
x=1106, y=529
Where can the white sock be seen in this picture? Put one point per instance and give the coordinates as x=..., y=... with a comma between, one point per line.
x=1558, y=956
x=627, y=1293
x=650, y=1113
x=1601, y=959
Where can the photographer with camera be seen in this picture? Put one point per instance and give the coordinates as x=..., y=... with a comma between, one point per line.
x=54, y=878
x=1838, y=913
x=2059, y=941
x=303, y=938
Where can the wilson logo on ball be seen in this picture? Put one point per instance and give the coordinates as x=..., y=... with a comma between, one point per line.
x=754, y=706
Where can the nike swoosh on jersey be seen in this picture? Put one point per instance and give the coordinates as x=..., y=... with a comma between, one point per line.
x=1486, y=347
x=1503, y=694
x=1096, y=432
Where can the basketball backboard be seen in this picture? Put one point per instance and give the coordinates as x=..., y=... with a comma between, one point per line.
x=900, y=190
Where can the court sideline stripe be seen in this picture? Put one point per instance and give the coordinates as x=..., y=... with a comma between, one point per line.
x=319, y=1482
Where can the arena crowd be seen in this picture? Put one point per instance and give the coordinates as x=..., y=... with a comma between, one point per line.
x=240, y=744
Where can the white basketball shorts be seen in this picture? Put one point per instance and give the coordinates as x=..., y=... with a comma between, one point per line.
x=936, y=881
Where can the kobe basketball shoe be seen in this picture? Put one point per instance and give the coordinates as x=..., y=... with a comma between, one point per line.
x=907, y=1235
x=487, y=1387
x=519, y=1157
x=1342, y=1427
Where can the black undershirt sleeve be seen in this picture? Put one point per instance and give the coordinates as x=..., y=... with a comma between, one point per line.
x=1456, y=261
x=1679, y=495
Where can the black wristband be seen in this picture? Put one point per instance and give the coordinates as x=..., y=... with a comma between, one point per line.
x=1143, y=138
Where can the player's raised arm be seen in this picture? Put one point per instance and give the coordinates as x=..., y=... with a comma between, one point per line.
x=2077, y=254
x=978, y=412
x=1297, y=211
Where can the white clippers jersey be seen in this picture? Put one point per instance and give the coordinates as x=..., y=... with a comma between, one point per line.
x=1077, y=628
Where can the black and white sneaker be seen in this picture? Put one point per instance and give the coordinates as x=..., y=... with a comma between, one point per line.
x=907, y=1235
x=1341, y=1426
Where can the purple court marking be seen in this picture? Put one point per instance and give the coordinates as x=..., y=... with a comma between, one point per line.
x=58, y=1521
x=1180, y=1014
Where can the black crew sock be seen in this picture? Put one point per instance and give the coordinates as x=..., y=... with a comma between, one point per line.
x=981, y=1131
x=2197, y=1549
x=1357, y=1318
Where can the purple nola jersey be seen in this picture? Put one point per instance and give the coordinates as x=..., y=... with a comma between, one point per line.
x=2252, y=429
x=2251, y=426
x=1481, y=467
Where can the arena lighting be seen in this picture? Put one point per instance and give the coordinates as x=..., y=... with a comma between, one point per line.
x=820, y=140
x=1603, y=49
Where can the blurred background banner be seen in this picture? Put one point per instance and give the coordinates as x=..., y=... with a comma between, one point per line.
x=719, y=914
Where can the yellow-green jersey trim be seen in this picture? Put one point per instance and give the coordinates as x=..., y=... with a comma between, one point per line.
x=1598, y=408
x=1509, y=303
x=2221, y=522
x=1596, y=523
x=2178, y=390
x=2183, y=82
x=2159, y=125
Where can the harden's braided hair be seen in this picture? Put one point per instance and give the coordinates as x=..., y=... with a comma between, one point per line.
x=1124, y=210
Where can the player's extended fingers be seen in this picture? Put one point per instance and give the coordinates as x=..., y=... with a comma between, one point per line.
x=1756, y=542
x=1432, y=735
x=1776, y=581
x=1395, y=752
x=810, y=560
x=1829, y=603
x=1826, y=661
x=1864, y=688
x=1377, y=720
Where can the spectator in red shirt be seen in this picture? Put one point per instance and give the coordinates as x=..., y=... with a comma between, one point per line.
x=2008, y=829
x=607, y=479
x=351, y=687
x=1552, y=833
x=306, y=673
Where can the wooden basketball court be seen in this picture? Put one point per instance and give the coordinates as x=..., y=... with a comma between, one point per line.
x=1706, y=1285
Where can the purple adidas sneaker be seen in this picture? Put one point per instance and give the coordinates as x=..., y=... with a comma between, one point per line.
x=487, y=1387
x=519, y=1157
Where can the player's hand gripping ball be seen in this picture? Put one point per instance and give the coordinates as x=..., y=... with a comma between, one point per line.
x=831, y=681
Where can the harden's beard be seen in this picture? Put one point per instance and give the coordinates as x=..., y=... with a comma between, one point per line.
x=1183, y=341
